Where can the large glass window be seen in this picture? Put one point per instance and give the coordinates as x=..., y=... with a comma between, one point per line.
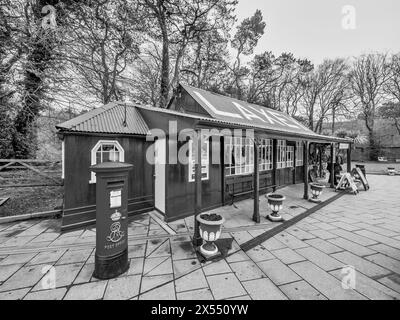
x=299, y=153
x=239, y=155
x=289, y=156
x=104, y=151
x=265, y=155
x=204, y=160
x=281, y=154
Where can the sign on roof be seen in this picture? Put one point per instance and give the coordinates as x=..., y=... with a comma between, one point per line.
x=230, y=109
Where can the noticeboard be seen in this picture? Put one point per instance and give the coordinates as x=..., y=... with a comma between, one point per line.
x=357, y=172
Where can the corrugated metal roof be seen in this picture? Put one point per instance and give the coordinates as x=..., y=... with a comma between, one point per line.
x=108, y=119
x=229, y=109
x=208, y=120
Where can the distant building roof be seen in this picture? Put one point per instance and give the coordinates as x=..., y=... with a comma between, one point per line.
x=108, y=119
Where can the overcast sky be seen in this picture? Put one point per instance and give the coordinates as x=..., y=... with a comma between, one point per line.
x=317, y=29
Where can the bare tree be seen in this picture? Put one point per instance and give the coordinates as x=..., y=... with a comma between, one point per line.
x=180, y=23
x=102, y=40
x=392, y=86
x=368, y=77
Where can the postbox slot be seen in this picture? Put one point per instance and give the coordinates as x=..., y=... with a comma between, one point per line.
x=114, y=184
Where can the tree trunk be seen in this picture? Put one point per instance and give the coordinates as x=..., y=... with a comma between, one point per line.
x=38, y=61
x=374, y=147
x=164, y=89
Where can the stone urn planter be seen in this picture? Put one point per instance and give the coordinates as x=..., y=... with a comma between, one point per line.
x=275, y=202
x=210, y=231
x=391, y=171
x=316, y=190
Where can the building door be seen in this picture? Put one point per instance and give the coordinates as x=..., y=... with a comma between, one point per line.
x=159, y=174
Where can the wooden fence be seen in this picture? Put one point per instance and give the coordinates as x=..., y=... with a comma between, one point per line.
x=32, y=165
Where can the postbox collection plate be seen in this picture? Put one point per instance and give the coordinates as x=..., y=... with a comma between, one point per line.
x=115, y=198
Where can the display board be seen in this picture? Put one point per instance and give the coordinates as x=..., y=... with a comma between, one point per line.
x=358, y=174
x=347, y=181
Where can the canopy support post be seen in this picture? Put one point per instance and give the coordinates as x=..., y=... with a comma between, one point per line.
x=305, y=170
x=197, y=241
x=349, y=158
x=332, y=172
x=256, y=184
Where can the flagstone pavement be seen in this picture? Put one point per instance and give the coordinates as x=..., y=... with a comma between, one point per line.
x=305, y=261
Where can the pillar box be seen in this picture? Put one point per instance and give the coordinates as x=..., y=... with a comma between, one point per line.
x=111, y=257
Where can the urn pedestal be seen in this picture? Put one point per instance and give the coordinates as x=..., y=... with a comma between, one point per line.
x=275, y=202
x=210, y=231
x=316, y=190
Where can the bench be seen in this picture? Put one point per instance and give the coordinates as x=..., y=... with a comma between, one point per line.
x=246, y=179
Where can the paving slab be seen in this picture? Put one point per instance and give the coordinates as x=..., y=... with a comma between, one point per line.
x=17, y=258
x=324, y=246
x=225, y=286
x=259, y=253
x=216, y=267
x=24, y=277
x=64, y=275
x=165, y=292
x=246, y=270
x=386, y=250
x=352, y=236
x=392, y=281
x=149, y=283
x=14, y=294
x=73, y=256
x=360, y=264
x=287, y=255
x=183, y=267
x=352, y=246
x=290, y=241
x=379, y=238
x=123, y=288
x=135, y=266
x=191, y=281
x=369, y=288
x=87, y=291
x=278, y=272
x=385, y=261
x=7, y=271
x=200, y=294
x=320, y=258
x=47, y=257
x=325, y=283
x=301, y=290
x=53, y=294
x=263, y=289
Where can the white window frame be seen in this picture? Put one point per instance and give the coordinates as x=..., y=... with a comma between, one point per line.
x=299, y=153
x=281, y=154
x=96, y=147
x=266, y=155
x=237, y=145
x=205, y=162
x=289, y=156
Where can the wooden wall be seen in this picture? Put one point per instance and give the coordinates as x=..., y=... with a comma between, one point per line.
x=180, y=192
x=80, y=195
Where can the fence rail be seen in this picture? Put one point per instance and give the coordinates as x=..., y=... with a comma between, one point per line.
x=29, y=164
